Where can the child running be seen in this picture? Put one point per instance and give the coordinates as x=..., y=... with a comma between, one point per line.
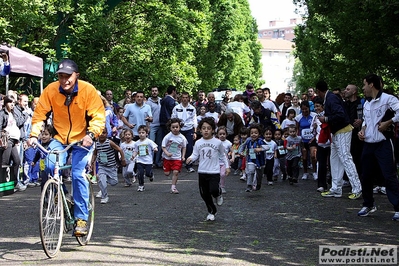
x=208, y=150
x=293, y=146
x=280, y=163
x=243, y=159
x=235, y=156
x=144, y=150
x=107, y=172
x=128, y=147
x=222, y=134
x=174, y=151
x=254, y=149
x=271, y=154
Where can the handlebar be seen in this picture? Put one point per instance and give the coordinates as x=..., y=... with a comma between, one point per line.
x=36, y=143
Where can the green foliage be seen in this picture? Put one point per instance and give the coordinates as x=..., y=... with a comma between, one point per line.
x=193, y=44
x=342, y=41
x=232, y=58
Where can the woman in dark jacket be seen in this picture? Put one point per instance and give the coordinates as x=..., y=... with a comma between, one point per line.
x=9, y=123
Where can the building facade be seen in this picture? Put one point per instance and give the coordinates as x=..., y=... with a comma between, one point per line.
x=277, y=55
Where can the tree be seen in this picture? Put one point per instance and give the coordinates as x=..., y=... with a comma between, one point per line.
x=139, y=43
x=232, y=57
x=342, y=41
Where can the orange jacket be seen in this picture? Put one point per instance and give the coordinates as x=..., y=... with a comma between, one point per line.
x=85, y=114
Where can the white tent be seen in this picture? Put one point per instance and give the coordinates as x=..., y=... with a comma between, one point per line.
x=23, y=63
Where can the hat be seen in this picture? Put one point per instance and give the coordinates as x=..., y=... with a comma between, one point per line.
x=229, y=111
x=67, y=66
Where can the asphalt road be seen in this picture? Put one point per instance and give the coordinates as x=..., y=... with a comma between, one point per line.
x=278, y=225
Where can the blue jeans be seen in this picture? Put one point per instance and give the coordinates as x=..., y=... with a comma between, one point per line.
x=156, y=135
x=143, y=169
x=80, y=185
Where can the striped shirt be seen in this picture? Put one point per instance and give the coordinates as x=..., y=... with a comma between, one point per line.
x=105, y=154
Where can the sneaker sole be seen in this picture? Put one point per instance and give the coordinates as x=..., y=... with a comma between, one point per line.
x=367, y=214
x=332, y=196
x=355, y=198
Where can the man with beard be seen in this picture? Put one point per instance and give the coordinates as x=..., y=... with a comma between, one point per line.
x=156, y=134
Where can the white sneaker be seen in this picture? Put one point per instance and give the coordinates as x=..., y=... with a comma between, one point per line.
x=219, y=200
x=20, y=186
x=99, y=194
x=270, y=183
x=223, y=190
x=320, y=189
x=104, y=200
x=383, y=190
x=191, y=170
x=243, y=178
x=376, y=190
x=210, y=217
x=315, y=177
x=31, y=184
x=140, y=189
x=305, y=176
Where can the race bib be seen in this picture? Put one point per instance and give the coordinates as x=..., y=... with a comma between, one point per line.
x=128, y=154
x=269, y=151
x=252, y=154
x=306, y=133
x=42, y=164
x=143, y=150
x=173, y=147
x=103, y=157
x=281, y=150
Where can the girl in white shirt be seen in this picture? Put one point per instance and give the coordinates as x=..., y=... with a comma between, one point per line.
x=208, y=150
x=174, y=152
x=271, y=155
x=289, y=120
x=222, y=134
x=128, y=147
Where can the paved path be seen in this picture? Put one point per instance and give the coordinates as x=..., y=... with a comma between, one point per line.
x=278, y=225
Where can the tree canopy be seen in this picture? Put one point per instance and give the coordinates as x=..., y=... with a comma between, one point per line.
x=341, y=41
x=193, y=44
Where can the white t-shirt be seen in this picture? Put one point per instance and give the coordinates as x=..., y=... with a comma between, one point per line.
x=145, y=151
x=227, y=146
x=174, y=144
x=286, y=123
x=12, y=128
x=267, y=104
x=270, y=149
x=239, y=108
x=214, y=115
x=208, y=151
x=128, y=149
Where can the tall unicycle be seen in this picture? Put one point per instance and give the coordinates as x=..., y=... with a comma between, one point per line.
x=51, y=218
x=84, y=240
